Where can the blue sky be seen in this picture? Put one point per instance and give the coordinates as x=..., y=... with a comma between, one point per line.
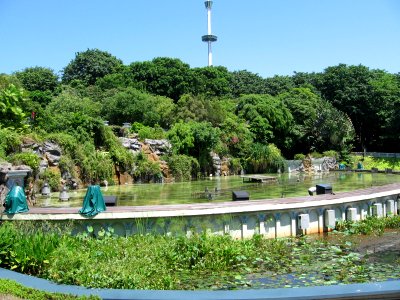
x=262, y=36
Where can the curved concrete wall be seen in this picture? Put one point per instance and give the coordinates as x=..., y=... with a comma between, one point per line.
x=241, y=219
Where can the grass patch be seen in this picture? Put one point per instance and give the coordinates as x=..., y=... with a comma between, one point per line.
x=10, y=289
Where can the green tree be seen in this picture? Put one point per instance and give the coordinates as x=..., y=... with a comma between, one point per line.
x=386, y=92
x=131, y=105
x=332, y=130
x=196, y=139
x=278, y=84
x=349, y=89
x=181, y=138
x=211, y=81
x=236, y=136
x=269, y=119
x=38, y=79
x=162, y=76
x=244, y=82
x=12, y=100
x=90, y=65
x=6, y=80
x=303, y=105
x=264, y=158
x=69, y=102
x=313, y=80
x=199, y=108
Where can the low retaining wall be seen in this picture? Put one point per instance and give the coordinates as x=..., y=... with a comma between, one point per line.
x=240, y=219
x=376, y=290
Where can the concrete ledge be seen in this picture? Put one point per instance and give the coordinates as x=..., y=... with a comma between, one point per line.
x=241, y=219
x=213, y=208
x=376, y=290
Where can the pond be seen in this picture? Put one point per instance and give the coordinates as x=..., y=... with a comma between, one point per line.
x=220, y=189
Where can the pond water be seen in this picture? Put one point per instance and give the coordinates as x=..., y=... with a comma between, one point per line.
x=220, y=189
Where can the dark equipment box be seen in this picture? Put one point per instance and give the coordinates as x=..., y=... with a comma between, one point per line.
x=240, y=195
x=110, y=200
x=323, y=189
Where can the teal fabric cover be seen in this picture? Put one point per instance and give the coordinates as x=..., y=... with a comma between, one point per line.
x=93, y=203
x=15, y=201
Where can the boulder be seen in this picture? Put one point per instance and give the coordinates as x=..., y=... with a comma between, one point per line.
x=159, y=147
x=52, y=152
x=131, y=143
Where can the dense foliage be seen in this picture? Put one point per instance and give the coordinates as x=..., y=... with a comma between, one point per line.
x=148, y=261
x=201, y=110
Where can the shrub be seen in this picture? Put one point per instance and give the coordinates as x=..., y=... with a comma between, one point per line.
x=299, y=156
x=235, y=165
x=66, y=141
x=26, y=158
x=380, y=163
x=331, y=153
x=147, y=132
x=120, y=156
x=315, y=154
x=24, y=249
x=10, y=142
x=370, y=225
x=180, y=166
x=52, y=177
x=264, y=158
x=146, y=170
x=67, y=165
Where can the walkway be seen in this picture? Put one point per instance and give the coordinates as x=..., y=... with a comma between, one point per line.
x=210, y=208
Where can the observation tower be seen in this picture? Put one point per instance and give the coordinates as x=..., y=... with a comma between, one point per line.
x=209, y=38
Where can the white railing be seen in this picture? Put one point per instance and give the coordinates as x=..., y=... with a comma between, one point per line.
x=377, y=154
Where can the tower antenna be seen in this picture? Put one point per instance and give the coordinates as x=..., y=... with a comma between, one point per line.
x=209, y=38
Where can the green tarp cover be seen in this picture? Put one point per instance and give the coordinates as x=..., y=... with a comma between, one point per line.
x=15, y=201
x=93, y=202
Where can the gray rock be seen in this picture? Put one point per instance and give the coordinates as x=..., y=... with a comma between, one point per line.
x=132, y=144
x=52, y=152
x=159, y=147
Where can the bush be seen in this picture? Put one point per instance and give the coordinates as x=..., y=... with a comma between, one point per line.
x=146, y=170
x=379, y=163
x=52, y=177
x=315, y=154
x=235, y=165
x=331, y=153
x=370, y=225
x=26, y=158
x=264, y=158
x=180, y=166
x=67, y=165
x=120, y=156
x=299, y=156
x=10, y=142
x=147, y=132
x=67, y=142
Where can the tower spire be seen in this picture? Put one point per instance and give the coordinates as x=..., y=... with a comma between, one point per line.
x=209, y=37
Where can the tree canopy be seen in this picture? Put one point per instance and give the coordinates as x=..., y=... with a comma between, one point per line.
x=203, y=110
x=90, y=65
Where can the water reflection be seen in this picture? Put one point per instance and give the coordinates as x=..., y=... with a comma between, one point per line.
x=220, y=189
